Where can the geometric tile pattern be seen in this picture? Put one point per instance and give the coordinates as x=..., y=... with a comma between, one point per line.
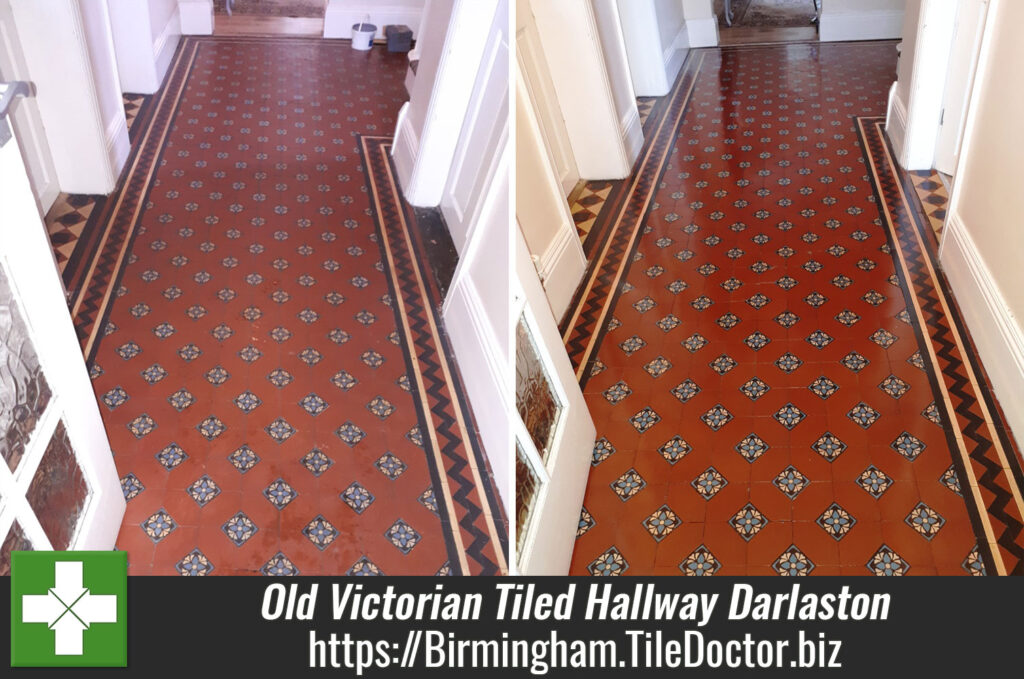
x=753, y=218
x=248, y=352
x=933, y=197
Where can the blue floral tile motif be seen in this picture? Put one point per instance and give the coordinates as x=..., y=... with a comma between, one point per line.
x=279, y=430
x=788, y=362
x=793, y=562
x=320, y=532
x=429, y=500
x=390, y=465
x=685, y=390
x=158, y=526
x=886, y=562
x=632, y=345
x=790, y=482
x=181, y=399
x=381, y=407
x=586, y=522
x=700, y=563
x=716, y=417
x=695, y=342
x=628, y=485
x=403, y=536
x=415, y=435
x=659, y=524
x=611, y=563
x=708, y=483
x=748, y=521
x=350, y=434
x=129, y=350
x=846, y=317
x=217, y=376
x=247, y=401
x=883, y=338
x=211, y=427
x=141, y=425
x=250, y=354
x=115, y=397
x=723, y=364
x=829, y=446
x=836, y=521
x=131, y=486
x=239, y=528
x=925, y=520
x=854, y=362
x=617, y=392
x=757, y=340
x=171, y=456
x=864, y=415
x=819, y=339
x=194, y=563
x=752, y=447
x=203, y=490
x=874, y=481
x=950, y=480
x=789, y=416
x=908, y=445
x=931, y=413
x=316, y=461
x=644, y=420
x=445, y=571
x=754, y=388
x=280, y=493
x=313, y=404
x=364, y=567
x=894, y=386
x=357, y=497
x=674, y=449
x=279, y=566
x=823, y=387
x=973, y=563
x=279, y=378
x=603, y=449
x=243, y=459
x=372, y=359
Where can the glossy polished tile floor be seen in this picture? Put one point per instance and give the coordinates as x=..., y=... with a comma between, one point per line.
x=272, y=378
x=780, y=380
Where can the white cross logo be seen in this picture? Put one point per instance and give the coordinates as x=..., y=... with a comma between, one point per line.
x=68, y=608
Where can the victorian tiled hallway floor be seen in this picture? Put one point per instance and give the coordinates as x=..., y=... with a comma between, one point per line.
x=261, y=336
x=778, y=373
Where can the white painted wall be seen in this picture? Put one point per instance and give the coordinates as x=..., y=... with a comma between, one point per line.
x=983, y=243
x=145, y=34
x=653, y=64
x=861, y=19
x=77, y=89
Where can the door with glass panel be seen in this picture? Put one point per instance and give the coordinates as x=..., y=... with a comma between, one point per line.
x=554, y=433
x=58, y=485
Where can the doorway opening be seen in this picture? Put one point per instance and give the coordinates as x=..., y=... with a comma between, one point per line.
x=743, y=22
x=269, y=17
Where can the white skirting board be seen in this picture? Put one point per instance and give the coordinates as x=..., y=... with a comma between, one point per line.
x=896, y=123
x=702, y=32
x=633, y=134
x=118, y=146
x=877, y=24
x=996, y=332
x=165, y=45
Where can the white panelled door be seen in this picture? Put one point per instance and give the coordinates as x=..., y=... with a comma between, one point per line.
x=59, y=488
x=554, y=433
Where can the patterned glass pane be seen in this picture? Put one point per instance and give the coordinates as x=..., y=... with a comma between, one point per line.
x=24, y=392
x=59, y=491
x=536, y=400
x=527, y=486
x=15, y=542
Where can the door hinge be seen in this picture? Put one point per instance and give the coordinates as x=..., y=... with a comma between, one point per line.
x=942, y=116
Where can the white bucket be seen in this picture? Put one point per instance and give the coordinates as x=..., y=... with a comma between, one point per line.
x=362, y=35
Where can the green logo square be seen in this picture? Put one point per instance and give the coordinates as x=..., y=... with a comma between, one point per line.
x=69, y=609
